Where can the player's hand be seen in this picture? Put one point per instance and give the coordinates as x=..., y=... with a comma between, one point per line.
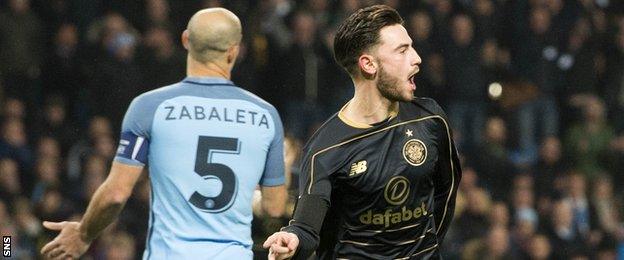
x=281, y=245
x=68, y=244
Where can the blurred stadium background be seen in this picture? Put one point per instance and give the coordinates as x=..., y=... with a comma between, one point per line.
x=534, y=90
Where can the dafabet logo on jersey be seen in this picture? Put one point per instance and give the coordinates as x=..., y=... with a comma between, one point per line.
x=358, y=168
x=396, y=192
x=389, y=216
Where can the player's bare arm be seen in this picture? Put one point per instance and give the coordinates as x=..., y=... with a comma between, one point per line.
x=108, y=201
x=274, y=200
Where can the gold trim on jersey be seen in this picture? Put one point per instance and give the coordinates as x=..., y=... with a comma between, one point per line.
x=397, y=244
x=411, y=241
x=448, y=132
x=393, y=113
x=352, y=123
x=358, y=243
x=424, y=250
x=393, y=230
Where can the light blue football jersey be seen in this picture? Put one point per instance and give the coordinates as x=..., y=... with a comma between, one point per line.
x=207, y=144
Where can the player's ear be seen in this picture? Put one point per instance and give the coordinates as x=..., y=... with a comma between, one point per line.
x=232, y=53
x=367, y=65
x=185, y=39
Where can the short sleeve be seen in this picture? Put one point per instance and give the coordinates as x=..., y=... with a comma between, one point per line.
x=135, y=133
x=274, y=166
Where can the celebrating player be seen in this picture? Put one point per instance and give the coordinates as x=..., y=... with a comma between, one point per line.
x=207, y=144
x=379, y=178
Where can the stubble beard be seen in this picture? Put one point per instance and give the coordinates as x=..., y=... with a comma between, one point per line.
x=389, y=87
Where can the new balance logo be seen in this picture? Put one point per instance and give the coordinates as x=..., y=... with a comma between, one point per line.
x=357, y=168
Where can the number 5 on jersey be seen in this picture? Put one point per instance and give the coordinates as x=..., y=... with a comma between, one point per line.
x=206, y=146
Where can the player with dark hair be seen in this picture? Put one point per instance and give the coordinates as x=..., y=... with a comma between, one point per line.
x=207, y=144
x=379, y=178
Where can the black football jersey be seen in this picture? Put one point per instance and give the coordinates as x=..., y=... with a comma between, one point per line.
x=389, y=188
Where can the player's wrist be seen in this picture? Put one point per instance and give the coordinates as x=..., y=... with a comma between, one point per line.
x=83, y=234
x=290, y=234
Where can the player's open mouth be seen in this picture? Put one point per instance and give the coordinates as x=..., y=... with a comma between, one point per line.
x=411, y=83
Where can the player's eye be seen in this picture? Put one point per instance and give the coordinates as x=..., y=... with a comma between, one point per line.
x=403, y=50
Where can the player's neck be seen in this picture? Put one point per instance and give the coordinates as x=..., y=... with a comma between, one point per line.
x=209, y=69
x=368, y=106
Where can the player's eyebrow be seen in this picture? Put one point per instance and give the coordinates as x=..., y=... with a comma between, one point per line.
x=404, y=45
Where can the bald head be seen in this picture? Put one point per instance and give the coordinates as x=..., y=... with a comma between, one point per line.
x=211, y=32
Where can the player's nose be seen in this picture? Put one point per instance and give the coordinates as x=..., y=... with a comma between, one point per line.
x=416, y=60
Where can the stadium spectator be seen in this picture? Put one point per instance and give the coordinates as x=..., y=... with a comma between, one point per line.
x=118, y=77
x=524, y=228
x=606, y=204
x=534, y=60
x=21, y=50
x=158, y=12
x=584, y=219
x=27, y=223
x=539, y=248
x=465, y=83
x=95, y=172
x=300, y=77
x=485, y=18
x=14, y=143
x=47, y=175
x=562, y=233
x=495, y=245
x=319, y=9
x=48, y=147
x=420, y=26
x=492, y=163
x=13, y=108
x=588, y=142
x=579, y=63
x=608, y=217
x=473, y=222
x=10, y=180
x=523, y=205
x=54, y=206
x=64, y=72
x=53, y=15
x=5, y=217
x=99, y=128
x=54, y=122
x=499, y=214
x=614, y=85
x=161, y=61
x=548, y=168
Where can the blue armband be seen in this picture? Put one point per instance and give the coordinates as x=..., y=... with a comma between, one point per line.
x=132, y=149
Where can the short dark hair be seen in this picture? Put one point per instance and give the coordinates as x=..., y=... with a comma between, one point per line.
x=360, y=31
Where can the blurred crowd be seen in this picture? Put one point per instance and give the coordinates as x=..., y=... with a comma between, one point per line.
x=534, y=90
